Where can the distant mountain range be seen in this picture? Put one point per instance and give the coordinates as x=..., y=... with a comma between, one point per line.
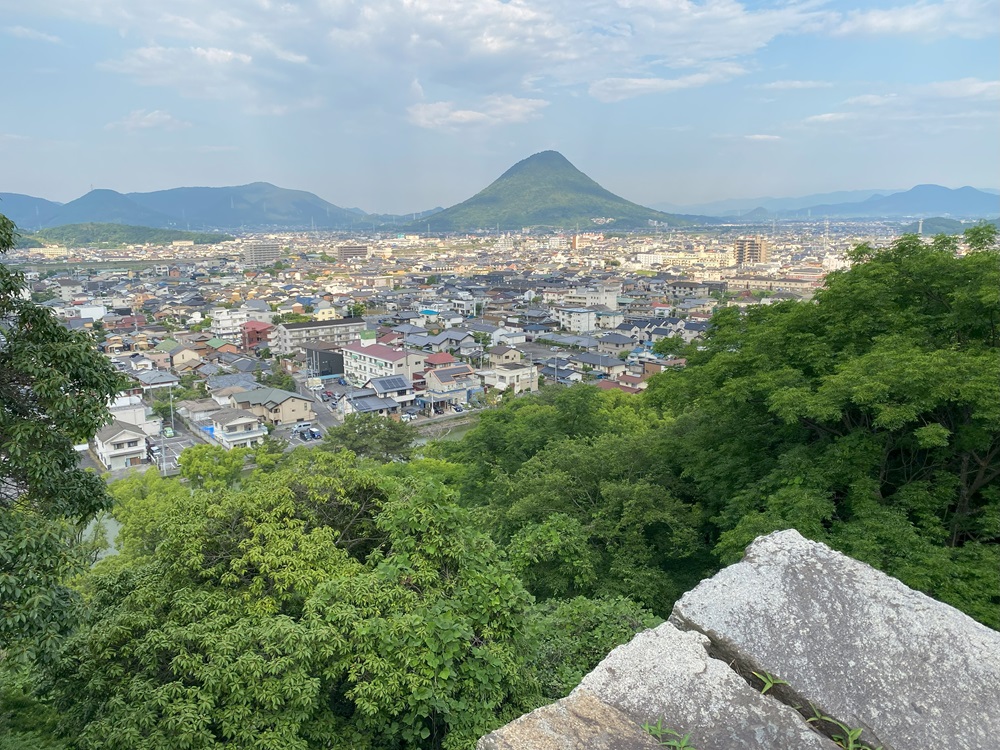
x=920, y=201
x=544, y=191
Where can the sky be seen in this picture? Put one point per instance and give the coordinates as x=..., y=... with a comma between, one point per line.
x=404, y=105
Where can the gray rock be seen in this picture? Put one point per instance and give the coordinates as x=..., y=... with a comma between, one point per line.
x=857, y=644
x=667, y=675
x=578, y=722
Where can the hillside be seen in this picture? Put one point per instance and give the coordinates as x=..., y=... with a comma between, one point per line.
x=546, y=190
x=259, y=204
x=113, y=235
x=26, y=211
x=105, y=207
x=939, y=225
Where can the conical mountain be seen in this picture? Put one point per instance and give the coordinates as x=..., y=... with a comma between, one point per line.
x=546, y=190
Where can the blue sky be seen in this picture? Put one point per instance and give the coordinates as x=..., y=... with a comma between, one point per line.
x=402, y=105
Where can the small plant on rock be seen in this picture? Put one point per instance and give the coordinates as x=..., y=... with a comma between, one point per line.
x=664, y=734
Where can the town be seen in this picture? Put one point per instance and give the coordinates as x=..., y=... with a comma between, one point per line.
x=288, y=334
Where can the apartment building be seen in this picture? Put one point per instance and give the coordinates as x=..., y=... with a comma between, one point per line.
x=751, y=250
x=364, y=361
x=576, y=319
x=226, y=323
x=261, y=254
x=288, y=338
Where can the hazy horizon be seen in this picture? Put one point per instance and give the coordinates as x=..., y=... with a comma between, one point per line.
x=402, y=106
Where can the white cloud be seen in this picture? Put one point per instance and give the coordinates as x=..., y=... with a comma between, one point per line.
x=965, y=88
x=794, y=85
x=971, y=19
x=762, y=137
x=617, y=89
x=261, y=42
x=829, y=117
x=872, y=100
x=23, y=32
x=494, y=110
x=141, y=119
x=205, y=72
x=370, y=52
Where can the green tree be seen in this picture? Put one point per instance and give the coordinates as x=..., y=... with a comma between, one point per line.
x=211, y=466
x=868, y=419
x=323, y=604
x=356, y=309
x=574, y=635
x=277, y=379
x=372, y=436
x=54, y=392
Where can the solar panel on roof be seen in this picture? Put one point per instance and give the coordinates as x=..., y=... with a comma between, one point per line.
x=393, y=383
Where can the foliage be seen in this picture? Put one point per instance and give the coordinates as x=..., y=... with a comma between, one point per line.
x=574, y=635
x=278, y=379
x=668, y=737
x=212, y=467
x=25, y=720
x=372, y=436
x=116, y=235
x=54, y=391
x=569, y=481
x=321, y=605
x=291, y=317
x=356, y=309
x=868, y=419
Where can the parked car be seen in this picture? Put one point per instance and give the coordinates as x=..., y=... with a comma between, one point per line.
x=168, y=432
x=458, y=408
x=305, y=436
x=315, y=434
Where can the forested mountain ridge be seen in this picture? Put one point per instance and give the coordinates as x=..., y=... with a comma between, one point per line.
x=330, y=601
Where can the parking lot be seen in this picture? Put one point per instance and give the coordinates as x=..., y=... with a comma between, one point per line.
x=171, y=448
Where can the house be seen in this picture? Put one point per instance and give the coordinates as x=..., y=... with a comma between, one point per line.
x=130, y=410
x=221, y=346
x=439, y=359
x=450, y=386
x=602, y=364
x=151, y=380
x=512, y=377
x=504, y=355
x=397, y=387
x=237, y=428
x=197, y=410
x=355, y=404
x=274, y=405
x=614, y=343
x=447, y=341
x=120, y=445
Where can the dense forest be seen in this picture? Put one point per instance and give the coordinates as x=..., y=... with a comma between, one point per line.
x=364, y=594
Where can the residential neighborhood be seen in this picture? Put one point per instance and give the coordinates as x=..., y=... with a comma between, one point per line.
x=223, y=350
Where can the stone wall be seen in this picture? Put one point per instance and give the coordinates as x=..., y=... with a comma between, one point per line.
x=837, y=639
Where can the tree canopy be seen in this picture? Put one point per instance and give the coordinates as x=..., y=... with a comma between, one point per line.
x=54, y=393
